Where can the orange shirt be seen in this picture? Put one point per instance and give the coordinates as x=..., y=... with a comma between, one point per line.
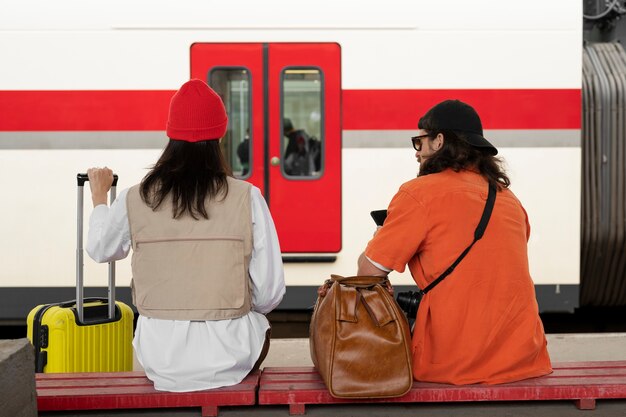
x=481, y=323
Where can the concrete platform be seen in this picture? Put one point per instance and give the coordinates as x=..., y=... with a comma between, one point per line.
x=562, y=348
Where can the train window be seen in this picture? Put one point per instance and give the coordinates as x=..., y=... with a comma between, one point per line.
x=233, y=85
x=302, y=121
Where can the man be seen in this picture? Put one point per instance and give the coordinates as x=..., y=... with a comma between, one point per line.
x=302, y=153
x=481, y=323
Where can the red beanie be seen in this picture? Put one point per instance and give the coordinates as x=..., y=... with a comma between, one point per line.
x=197, y=113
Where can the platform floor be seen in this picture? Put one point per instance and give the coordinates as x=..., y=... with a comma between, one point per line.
x=562, y=348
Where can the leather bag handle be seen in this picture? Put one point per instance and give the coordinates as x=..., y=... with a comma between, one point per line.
x=354, y=281
x=378, y=310
x=348, y=297
x=347, y=300
x=361, y=281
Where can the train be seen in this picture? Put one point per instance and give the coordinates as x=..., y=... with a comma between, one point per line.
x=85, y=85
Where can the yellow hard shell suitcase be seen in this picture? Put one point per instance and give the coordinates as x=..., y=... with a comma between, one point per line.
x=86, y=334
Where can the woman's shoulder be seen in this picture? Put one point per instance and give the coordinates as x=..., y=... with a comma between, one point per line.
x=245, y=186
x=255, y=192
x=238, y=184
x=130, y=191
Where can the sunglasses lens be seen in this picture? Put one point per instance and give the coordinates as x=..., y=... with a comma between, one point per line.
x=417, y=143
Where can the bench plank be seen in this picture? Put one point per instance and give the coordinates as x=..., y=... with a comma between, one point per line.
x=90, y=375
x=115, y=390
x=582, y=382
x=85, y=383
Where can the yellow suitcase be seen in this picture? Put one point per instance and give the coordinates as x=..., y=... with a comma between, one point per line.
x=65, y=344
x=86, y=334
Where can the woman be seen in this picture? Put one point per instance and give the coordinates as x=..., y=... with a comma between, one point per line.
x=206, y=260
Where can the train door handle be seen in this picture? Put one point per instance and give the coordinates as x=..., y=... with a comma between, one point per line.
x=275, y=161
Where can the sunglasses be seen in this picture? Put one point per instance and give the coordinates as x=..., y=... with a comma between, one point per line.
x=417, y=141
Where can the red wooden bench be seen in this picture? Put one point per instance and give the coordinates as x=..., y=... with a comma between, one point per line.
x=119, y=390
x=582, y=382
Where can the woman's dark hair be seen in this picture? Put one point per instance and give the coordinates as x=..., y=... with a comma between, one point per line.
x=457, y=154
x=190, y=173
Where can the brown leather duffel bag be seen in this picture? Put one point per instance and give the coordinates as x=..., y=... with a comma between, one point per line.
x=360, y=339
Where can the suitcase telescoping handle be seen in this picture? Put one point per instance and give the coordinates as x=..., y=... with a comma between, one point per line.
x=81, y=179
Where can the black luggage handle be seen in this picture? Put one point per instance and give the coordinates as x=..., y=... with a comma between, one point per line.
x=92, y=317
x=71, y=303
x=81, y=179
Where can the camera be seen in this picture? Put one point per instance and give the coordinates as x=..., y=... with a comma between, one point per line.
x=409, y=302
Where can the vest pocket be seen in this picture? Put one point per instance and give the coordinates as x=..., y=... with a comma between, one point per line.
x=204, y=273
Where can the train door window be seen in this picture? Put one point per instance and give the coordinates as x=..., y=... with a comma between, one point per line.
x=302, y=121
x=233, y=86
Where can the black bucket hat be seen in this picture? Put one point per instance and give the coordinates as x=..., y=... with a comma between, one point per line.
x=457, y=116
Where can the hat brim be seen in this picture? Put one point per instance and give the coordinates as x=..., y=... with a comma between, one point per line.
x=479, y=141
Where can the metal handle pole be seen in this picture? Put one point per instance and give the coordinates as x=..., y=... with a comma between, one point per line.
x=81, y=179
x=112, y=269
x=79, y=252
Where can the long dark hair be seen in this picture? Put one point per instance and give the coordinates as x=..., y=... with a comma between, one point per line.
x=190, y=173
x=457, y=154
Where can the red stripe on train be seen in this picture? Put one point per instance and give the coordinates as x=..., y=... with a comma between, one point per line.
x=498, y=109
x=83, y=110
x=362, y=109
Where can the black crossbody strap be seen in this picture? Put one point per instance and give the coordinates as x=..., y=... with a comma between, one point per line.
x=480, y=230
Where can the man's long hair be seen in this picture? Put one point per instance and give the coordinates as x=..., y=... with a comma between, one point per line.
x=457, y=154
x=190, y=173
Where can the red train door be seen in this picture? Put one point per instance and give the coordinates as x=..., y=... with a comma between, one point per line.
x=284, y=134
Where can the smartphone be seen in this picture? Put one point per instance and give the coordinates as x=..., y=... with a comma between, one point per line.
x=379, y=216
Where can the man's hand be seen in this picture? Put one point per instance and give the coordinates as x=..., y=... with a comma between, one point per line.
x=100, y=180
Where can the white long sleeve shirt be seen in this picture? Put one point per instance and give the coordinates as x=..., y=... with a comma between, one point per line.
x=196, y=355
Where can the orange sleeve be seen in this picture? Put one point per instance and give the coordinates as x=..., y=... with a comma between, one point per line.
x=401, y=235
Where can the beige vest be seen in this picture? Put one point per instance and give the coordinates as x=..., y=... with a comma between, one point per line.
x=186, y=269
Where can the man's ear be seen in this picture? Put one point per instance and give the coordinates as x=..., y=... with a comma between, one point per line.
x=438, y=141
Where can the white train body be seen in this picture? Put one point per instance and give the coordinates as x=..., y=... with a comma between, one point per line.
x=406, y=49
